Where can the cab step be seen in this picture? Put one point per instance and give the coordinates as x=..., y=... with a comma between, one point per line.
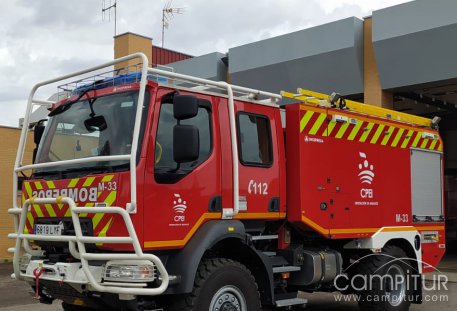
x=284, y=269
x=291, y=302
x=264, y=237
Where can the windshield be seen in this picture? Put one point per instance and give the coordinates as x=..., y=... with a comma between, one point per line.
x=93, y=127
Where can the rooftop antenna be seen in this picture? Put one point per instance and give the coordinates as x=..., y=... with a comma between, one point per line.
x=167, y=14
x=108, y=5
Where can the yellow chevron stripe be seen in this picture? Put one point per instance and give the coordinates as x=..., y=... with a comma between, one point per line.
x=330, y=128
x=73, y=183
x=377, y=133
x=107, y=178
x=387, y=135
x=38, y=185
x=50, y=210
x=366, y=132
x=88, y=181
x=51, y=184
x=68, y=213
x=317, y=124
x=342, y=130
x=433, y=145
x=111, y=198
x=416, y=139
x=424, y=143
x=304, y=121
x=38, y=211
x=407, y=138
x=105, y=228
x=30, y=218
x=28, y=189
x=440, y=148
x=96, y=219
x=398, y=137
x=355, y=130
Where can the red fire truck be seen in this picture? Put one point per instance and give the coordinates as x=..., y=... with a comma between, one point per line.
x=154, y=190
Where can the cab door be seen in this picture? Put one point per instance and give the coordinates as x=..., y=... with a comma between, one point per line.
x=258, y=152
x=179, y=198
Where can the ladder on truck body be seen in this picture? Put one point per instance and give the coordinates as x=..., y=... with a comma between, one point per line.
x=319, y=99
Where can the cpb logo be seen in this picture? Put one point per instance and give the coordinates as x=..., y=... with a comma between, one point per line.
x=366, y=174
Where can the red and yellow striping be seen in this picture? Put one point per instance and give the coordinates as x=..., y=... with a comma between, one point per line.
x=316, y=121
x=84, y=191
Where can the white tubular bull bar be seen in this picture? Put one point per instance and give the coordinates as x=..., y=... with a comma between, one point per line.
x=81, y=240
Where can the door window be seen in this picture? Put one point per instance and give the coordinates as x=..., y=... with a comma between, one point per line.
x=254, y=140
x=166, y=169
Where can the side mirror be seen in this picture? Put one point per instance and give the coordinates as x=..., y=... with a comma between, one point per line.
x=97, y=123
x=185, y=107
x=186, y=143
x=38, y=131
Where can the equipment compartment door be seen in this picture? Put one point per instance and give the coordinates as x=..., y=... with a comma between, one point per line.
x=426, y=185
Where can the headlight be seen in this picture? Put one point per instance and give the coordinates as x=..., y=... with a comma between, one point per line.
x=129, y=271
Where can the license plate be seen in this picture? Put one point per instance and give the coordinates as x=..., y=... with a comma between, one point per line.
x=48, y=229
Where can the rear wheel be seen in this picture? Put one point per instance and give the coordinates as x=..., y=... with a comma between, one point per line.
x=220, y=285
x=386, y=282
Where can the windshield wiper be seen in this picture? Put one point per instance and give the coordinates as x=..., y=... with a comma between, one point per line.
x=67, y=105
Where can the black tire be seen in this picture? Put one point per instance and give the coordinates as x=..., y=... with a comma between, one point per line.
x=388, y=293
x=220, y=284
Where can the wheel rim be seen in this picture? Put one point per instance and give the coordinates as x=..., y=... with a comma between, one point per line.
x=395, y=285
x=228, y=298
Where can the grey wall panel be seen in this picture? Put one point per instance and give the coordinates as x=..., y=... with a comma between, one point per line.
x=421, y=57
x=304, y=43
x=323, y=58
x=413, y=17
x=209, y=66
x=328, y=72
x=415, y=43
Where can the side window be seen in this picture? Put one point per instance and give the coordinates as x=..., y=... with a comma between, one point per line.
x=254, y=140
x=166, y=169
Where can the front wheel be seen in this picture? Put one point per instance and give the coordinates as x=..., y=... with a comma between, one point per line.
x=220, y=285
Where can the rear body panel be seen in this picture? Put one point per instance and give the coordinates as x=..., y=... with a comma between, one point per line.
x=349, y=174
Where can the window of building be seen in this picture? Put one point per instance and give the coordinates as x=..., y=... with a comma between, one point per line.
x=254, y=135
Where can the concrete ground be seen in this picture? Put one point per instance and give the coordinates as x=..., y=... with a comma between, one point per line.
x=14, y=295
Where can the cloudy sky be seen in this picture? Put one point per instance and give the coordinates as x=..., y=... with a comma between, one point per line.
x=41, y=39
